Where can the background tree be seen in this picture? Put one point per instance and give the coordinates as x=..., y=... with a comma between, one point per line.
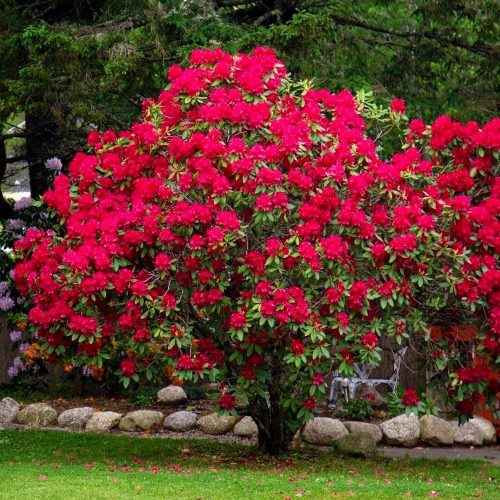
x=72, y=65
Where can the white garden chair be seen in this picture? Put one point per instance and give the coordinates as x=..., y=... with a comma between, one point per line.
x=361, y=376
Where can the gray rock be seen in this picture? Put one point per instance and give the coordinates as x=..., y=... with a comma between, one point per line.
x=216, y=424
x=436, y=431
x=297, y=437
x=360, y=444
x=323, y=430
x=402, y=430
x=486, y=428
x=467, y=433
x=172, y=395
x=141, y=420
x=371, y=395
x=37, y=415
x=9, y=408
x=76, y=418
x=103, y=421
x=180, y=421
x=246, y=427
x=364, y=427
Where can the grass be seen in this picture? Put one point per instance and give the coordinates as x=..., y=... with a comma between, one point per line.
x=55, y=465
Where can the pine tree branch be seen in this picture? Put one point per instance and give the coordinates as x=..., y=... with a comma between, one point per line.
x=477, y=48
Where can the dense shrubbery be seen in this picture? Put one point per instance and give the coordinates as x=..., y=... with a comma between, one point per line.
x=248, y=230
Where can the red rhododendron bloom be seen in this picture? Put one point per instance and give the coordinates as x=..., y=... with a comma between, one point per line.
x=398, y=106
x=370, y=340
x=410, y=397
x=309, y=403
x=227, y=401
x=128, y=367
x=237, y=320
x=297, y=347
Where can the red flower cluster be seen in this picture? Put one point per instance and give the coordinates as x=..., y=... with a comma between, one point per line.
x=128, y=367
x=410, y=397
x=227, y=401
x=370, y=340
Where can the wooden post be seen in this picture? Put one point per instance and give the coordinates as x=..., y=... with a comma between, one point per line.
x=6, y=353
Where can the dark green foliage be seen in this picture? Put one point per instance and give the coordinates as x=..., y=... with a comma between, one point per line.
x=144, y=396
x=195, y=392
x=357, y=409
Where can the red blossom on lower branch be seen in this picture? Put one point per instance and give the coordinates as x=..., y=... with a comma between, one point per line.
x=227, y=401
x=410, y=397
x=128, y=367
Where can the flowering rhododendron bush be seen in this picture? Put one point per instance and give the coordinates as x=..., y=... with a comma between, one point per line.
x=248, y=230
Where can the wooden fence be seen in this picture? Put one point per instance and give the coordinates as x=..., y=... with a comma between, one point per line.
x=411, y=375
x=6, y=354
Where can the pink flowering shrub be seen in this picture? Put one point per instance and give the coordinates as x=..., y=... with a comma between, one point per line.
x=247, y=229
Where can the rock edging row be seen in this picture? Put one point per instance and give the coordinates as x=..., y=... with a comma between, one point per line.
x=403, y=430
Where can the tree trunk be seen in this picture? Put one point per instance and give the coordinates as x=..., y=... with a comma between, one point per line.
x=41, y=144
x=276, y=439
x=275, y=436
x=5, y=209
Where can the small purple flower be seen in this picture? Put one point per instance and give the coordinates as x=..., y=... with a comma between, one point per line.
x=16, y=335
x=15, y=224
x=6, y=303
x=24, y=347
x=54, y=164
x=86, y=371
x=4, y=287
x=17, y=367
x=12, y=273
x=17, y=363
x=23, y=203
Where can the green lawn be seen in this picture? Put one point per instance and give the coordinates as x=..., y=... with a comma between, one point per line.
x=59, y=465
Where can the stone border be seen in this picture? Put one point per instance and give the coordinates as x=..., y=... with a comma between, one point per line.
x=404, y=431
